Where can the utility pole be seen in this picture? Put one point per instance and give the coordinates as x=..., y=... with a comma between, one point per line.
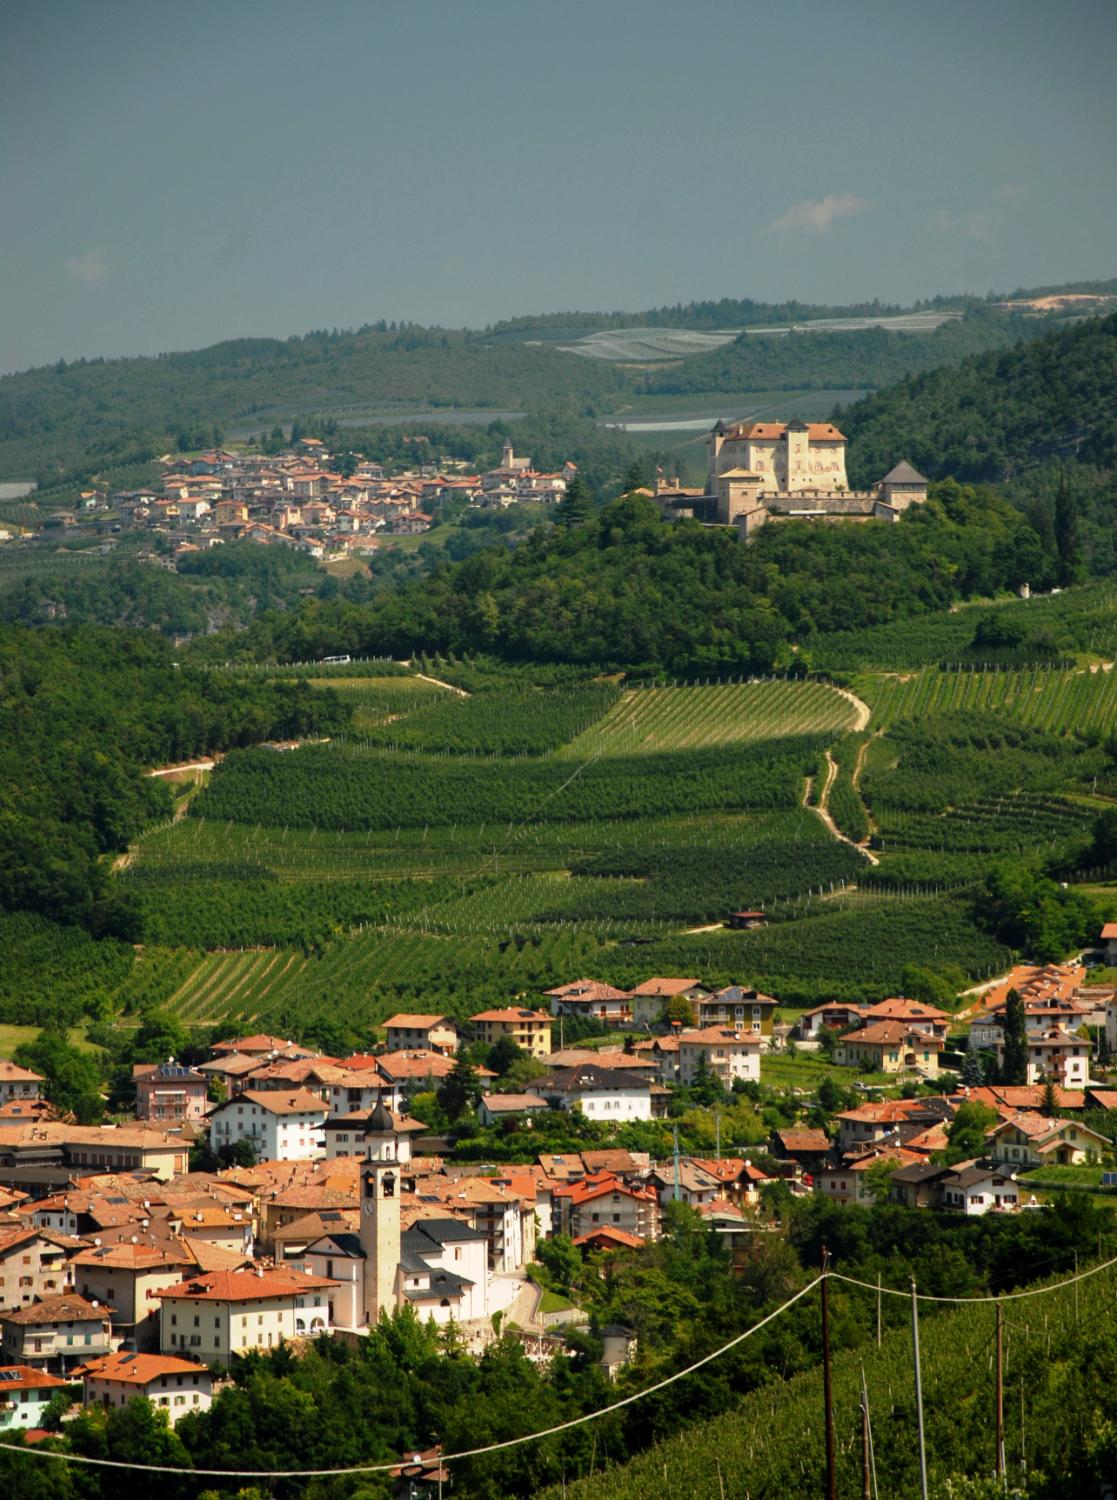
x=918, y=1392
x=717, y=1130
x=867, y=1441
x=866, y=1471
x=999, y=1467
x=677, y=1194
x=827, y=1393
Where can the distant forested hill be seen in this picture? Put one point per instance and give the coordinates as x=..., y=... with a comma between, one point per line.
x=62, y=417
x=62, y=423
x=991, y=417
x=872, y=357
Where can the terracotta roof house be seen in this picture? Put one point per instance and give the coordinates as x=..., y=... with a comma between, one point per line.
x=726, y=1052
x=18, y=1083
x=605, y=1199
x=431, y=1033
x=170, y=1091
x=529, y=1029
x=915, y=1013
x=56, y=1333
x=589, y=997
x=25, y=1395
x=650, y=999
x=241, y=1310
x=890, y=1047
x=808, y=1148
x=176, y=1385
x=848, y=1181
x=494, y=1108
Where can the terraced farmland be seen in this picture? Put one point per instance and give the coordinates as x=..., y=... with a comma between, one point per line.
x=656, y=720
x=231, y=984
x=1052, y=698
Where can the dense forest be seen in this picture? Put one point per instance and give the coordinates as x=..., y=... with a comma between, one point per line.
x=81, y=711
x=993, y=416
x=624, y=588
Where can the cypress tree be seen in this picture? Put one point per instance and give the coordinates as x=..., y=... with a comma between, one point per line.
x=1015, y=1066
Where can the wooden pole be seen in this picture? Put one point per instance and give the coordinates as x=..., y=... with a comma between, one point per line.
x=1000, y=1459
x=869, y=1434
x=827, y=1392
x=879, y=1300
x=918, y=1392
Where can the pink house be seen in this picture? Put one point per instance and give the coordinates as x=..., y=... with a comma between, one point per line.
x=170, y=1091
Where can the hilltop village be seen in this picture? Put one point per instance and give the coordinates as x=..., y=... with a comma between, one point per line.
x=266, y=1193
x=296, y=498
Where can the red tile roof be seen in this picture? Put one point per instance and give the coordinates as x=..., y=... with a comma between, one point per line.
x=24, y=1378
x=138, y=1369
x=243, y=1286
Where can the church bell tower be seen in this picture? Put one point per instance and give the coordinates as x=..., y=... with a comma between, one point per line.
x=380, y=1217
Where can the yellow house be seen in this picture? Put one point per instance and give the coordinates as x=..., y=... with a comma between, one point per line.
x=890, y=1047
x=529, y=1029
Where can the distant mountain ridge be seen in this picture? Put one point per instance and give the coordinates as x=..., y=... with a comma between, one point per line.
x=65, y=421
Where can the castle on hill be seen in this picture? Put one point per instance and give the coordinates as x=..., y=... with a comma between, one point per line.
x=784, y=471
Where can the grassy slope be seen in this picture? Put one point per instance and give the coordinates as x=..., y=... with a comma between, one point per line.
x=770, y=1446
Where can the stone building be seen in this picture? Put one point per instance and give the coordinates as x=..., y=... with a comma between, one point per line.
x=796, y=470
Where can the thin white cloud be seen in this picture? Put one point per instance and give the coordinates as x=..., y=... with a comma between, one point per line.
x=980, y=225
x=817, y=215
x=1012, y=190
x=91, y=269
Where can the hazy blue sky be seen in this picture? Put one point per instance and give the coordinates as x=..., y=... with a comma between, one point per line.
x=178, y=173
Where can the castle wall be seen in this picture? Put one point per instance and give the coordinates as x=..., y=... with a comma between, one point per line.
x=786, y=464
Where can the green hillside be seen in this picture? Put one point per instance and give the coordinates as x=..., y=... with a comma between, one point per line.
x=999, y=413
x=64, y=422
x=868, y=357
x=770, y=1445
x=60, y=417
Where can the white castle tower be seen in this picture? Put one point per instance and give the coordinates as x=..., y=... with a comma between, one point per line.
x=380, y=1216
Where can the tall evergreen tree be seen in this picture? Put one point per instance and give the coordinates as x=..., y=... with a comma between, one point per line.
x=1050, y=1105
x=1015, y=1066
x=1068, y=540
x=460, y=1090
x=576, y=506
x=973, y=1073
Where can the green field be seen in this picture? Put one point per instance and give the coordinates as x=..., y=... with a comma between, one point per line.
x=806, y=1072
x=478, y=859
x=13, y=1036
x=1063, y=701
x=650, y=721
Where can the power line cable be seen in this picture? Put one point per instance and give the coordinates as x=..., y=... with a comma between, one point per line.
x=1038, y=1291
x=446, y=1458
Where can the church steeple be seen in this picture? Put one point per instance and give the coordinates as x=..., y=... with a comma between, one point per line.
x=381, y=1187
x=384, y=1140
